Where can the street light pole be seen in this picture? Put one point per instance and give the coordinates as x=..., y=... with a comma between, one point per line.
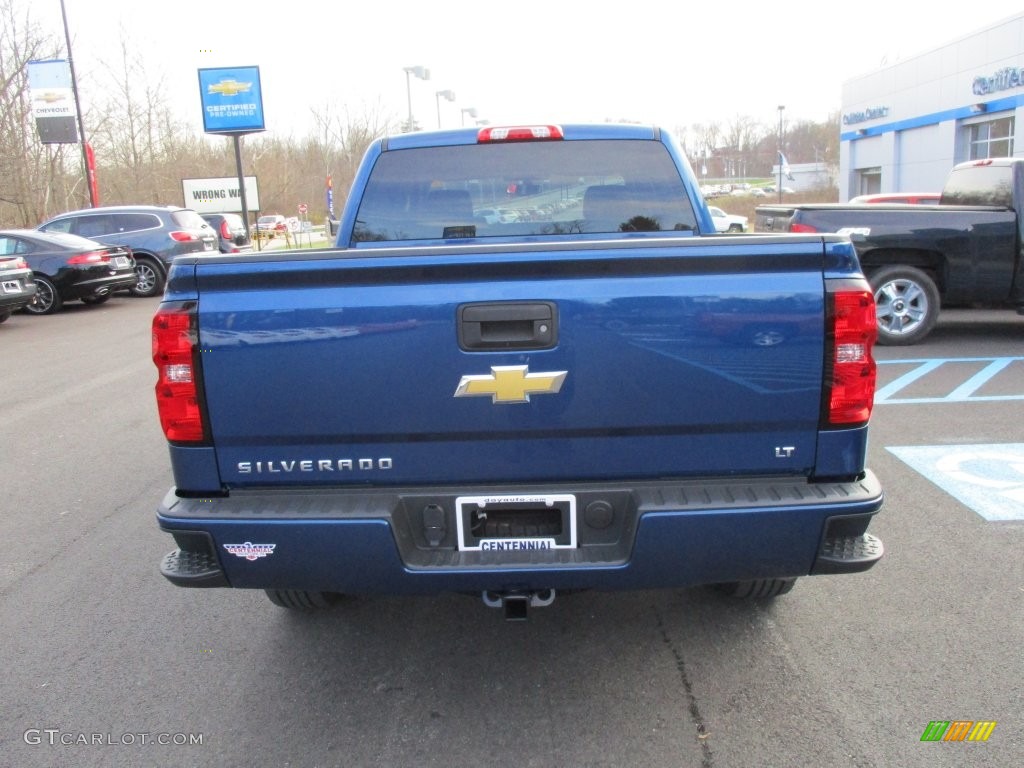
x=449, y=95
x=423, y=74
x=779, y=158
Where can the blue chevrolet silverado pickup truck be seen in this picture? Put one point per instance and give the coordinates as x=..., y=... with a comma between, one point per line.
x=594, y=391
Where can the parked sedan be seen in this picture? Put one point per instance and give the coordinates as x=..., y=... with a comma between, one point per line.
x=17, y=289
x=727, y=222
x=68, y=268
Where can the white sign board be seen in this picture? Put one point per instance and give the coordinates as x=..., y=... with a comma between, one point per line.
x=220, y=195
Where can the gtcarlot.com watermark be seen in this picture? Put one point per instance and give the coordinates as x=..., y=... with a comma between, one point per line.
x=55, y=737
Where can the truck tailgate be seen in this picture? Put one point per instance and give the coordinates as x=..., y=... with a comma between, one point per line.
x=663, y=358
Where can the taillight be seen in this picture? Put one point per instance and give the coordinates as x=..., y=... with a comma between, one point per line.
x=20, y=263
x=519, y=133
x=850, y=366
x=177, y=390
x=225, y=231
x=182, y=237
x=805, y=228
x=96, y=257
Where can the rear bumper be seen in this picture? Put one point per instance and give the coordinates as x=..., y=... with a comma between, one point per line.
x=98, y=286
x=674, y=534
x=16, y=291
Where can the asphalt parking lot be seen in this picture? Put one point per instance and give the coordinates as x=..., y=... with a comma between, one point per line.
x=106, y=664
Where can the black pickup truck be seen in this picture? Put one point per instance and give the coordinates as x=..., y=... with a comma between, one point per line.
x=966, y=251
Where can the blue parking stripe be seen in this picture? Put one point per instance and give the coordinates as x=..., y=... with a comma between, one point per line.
x=964, y=393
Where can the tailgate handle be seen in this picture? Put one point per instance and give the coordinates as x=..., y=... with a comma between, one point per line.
x=508, y=325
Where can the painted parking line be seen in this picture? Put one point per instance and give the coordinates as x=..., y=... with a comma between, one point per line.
x=965, y=392
x=988, y=479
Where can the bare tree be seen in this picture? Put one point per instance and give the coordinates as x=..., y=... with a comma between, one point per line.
x=28, y=169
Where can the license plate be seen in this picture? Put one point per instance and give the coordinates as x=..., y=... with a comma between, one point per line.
x=516, y=523
x=207, y=246
x=121, y=261
x=12, y=286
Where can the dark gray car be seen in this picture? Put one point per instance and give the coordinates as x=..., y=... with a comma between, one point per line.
x=230, y=230
x=155, y=234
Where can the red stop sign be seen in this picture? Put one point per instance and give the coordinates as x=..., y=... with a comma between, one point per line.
x=302, y=207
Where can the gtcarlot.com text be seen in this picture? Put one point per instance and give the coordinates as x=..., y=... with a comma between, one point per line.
x=55, y=737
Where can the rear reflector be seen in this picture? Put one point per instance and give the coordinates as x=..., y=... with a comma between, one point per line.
x=177, y=392
x=850, y=369
x=519, y=133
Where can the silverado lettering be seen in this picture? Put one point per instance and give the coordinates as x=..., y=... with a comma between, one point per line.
x=705, y=398
x=312, y=465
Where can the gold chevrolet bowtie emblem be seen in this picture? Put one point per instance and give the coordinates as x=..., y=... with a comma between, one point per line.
x=229, y=87
x=511, y=384
x=51, y=96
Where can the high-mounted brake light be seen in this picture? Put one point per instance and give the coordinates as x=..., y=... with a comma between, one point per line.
x=850, y=367
x=96, y=257
x=177, y=392
x=519, y=133
x=805, y=228
x=182, y=237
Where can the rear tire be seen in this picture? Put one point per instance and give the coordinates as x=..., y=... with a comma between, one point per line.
x=300, y=600
x=756, y=589
x=907, y=302
x=48, y=300
x=150, y=278
x=94, y=300
x=4, y=316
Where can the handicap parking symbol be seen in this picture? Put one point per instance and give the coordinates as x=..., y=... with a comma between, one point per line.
x=987, y=478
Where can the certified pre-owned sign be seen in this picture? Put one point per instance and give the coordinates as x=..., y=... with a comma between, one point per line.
x=232, y=100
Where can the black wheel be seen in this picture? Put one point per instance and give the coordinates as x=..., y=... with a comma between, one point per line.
x=47, y=300
x=300, y=600
x=735, y=228
x=4, y=316
x=757, y=589
x=907, y=302
x=94, y=300
x=150, y=277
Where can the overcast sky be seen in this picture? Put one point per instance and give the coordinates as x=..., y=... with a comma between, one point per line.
x=516, y=61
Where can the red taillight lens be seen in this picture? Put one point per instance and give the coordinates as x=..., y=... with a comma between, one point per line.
x=519, y=133
x=177, y=393
x=182, y=237
x=96, y=257
x=225, y=232
x=805, y=228
x=854, y=328
x=20, y=263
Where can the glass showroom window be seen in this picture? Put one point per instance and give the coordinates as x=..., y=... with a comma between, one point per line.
x=991, y=139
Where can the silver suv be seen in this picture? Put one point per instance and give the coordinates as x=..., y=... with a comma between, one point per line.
x=155, y=234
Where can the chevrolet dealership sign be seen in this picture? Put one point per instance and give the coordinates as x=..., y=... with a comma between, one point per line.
x=232, y=100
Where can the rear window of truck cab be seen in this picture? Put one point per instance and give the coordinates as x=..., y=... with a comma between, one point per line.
x=979, y=184
x=523, y=189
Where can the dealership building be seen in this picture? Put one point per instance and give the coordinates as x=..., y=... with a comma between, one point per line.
x=905, y=125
